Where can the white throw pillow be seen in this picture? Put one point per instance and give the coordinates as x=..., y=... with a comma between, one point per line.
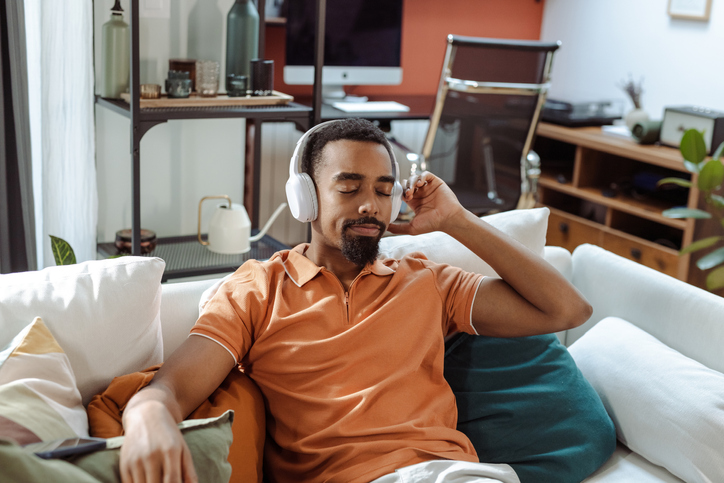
x=527, y=226
x=104, y=314
x=666, y=407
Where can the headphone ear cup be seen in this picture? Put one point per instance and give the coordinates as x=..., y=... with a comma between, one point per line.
x=396, y=201
x=302, y=197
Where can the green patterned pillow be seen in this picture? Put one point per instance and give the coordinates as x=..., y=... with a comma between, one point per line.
x=208, y=440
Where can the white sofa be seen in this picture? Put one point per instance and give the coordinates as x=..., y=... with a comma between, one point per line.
x=656, y=442
x=685, y=318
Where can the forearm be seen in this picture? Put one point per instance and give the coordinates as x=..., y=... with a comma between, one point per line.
x=529, y=275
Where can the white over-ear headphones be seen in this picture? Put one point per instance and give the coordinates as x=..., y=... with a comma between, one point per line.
x=301, y=194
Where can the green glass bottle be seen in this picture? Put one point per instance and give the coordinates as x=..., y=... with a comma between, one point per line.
x=116, y=65
x=242, y=38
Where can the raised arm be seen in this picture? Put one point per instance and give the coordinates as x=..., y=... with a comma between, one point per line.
x=154, y=450
x=530, y=298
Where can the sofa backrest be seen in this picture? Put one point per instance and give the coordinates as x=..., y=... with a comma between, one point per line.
x=686, y=318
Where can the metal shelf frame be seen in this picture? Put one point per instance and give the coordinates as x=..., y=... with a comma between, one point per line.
x=144, y=119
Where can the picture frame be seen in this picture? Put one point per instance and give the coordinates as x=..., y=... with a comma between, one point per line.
x=689, y=9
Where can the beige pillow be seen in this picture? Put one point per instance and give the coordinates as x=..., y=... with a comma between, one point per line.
x=39, y=400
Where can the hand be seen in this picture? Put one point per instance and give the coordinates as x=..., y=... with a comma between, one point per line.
x=154, y=450
x=434, y=204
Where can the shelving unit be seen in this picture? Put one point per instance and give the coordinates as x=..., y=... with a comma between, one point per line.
x=181, y=259
x=601, y=189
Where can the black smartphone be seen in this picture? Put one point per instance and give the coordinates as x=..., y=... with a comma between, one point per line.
x=61, y=448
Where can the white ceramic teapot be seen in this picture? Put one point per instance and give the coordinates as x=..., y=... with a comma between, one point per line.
x=230, y=227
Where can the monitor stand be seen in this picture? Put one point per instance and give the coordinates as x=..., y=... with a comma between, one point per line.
x=335, y=93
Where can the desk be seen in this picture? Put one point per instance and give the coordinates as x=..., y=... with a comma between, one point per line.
x=420, y=108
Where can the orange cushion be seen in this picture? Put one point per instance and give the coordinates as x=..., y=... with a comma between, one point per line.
x=237, y=392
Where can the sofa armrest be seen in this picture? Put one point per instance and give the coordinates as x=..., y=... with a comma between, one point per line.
x=561, y=259
x=179, y=311
x=686, y=318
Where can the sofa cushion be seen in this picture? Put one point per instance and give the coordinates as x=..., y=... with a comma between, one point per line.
x=666, y=407
x=39, y=400
x=208, y=441
x=522, y=401
x=527, y=226
x=104, y=314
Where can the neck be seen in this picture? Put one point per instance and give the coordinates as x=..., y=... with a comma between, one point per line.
x=331, y=258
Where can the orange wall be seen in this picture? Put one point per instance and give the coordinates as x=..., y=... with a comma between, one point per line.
x=426, y=24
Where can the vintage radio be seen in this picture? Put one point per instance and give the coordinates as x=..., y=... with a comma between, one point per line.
x=677, y=120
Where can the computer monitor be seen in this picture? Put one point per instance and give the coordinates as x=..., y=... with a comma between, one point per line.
x=362, y=44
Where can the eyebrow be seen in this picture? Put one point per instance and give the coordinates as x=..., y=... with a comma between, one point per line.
x=345, y=176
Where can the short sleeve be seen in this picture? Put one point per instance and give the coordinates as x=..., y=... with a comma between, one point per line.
x=229, y=316
x=457, y=289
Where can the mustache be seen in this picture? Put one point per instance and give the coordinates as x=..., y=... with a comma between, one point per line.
x=367, y=220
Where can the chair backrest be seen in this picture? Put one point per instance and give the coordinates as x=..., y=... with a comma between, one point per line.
x=487, y=108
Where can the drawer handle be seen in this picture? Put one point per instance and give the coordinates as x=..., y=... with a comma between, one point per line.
x=563, y=227
x=636, y=253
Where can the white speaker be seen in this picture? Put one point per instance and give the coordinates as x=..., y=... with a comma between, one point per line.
x=301, y=195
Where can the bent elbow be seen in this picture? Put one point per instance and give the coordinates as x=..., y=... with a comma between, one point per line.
x=580, y=312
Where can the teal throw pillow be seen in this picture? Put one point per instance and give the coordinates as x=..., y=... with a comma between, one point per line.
x=523, y=401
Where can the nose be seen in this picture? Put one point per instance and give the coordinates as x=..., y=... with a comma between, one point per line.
x=369, y=206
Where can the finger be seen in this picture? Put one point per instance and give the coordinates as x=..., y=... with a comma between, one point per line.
x=172, y=468
x=126, y=476
x=189, y=472
x=138, y=474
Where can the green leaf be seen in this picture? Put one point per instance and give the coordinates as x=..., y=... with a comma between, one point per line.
x=692, y=146
x=711, y=175
x=717, y=201
x=686, y=213
x=715, y=279
x=701, y=244
x=677, y=181
x=62, y=252
x=711, y=260
x=718, y=152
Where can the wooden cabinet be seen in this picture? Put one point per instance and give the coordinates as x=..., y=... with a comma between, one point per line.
x=601, y=189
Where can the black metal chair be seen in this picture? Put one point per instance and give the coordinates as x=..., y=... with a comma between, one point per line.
x=486, y=112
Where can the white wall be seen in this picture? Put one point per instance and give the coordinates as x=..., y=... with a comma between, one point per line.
x=605, y=41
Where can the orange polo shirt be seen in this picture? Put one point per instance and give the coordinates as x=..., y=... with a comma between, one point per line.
x=353, y=381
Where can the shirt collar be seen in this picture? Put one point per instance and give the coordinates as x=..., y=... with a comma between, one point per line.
x=301, y=269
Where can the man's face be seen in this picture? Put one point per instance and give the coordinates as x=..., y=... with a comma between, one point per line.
x=354, y=185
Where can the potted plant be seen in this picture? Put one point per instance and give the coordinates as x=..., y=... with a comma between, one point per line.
x=709, y=181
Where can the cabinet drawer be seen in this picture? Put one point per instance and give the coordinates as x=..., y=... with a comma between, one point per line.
x=569, y=231
x=659, y=258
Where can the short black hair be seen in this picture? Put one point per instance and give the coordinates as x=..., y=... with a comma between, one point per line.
x=353, y=129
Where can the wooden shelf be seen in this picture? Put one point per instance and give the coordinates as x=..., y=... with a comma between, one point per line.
x=649, y=209
x=595, y=138
x=577, y=164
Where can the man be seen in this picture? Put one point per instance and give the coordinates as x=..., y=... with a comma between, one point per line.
x=347, y=349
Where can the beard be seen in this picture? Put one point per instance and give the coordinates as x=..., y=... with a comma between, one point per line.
x=361, y=250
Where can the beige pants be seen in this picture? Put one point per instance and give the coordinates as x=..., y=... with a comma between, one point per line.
x=447, y=471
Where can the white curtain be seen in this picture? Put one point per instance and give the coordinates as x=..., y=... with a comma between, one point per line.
x=60, y=72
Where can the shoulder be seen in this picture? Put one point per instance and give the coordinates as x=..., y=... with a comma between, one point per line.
x=257, y=272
